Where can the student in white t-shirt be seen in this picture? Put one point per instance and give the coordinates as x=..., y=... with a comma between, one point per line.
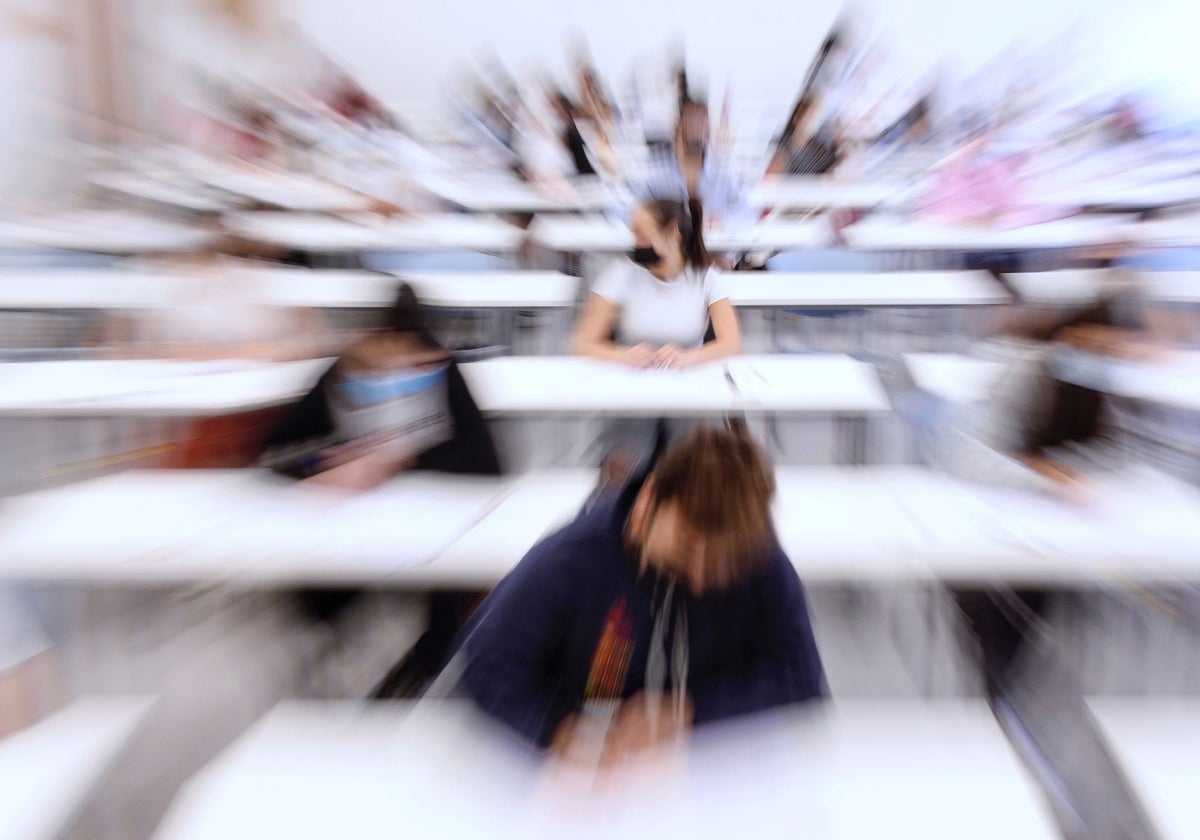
x=654, y=309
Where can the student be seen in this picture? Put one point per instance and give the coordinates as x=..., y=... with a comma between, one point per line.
x=689, y=170
x=805, y=147
x=669, y=606
x=565, y=110
x=394, y=401
x=1043, y=429
x=654, y=309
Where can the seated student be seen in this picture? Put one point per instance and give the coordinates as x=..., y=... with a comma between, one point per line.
x=658, y=305
x=654, y=311
x=565, y=111
x=394, y=401
x=806, y=147
x=689, y=170
x=1044, y=428
x=669, y=606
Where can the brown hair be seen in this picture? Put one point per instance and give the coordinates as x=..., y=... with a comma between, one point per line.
x=690, y=220
x=723, y=484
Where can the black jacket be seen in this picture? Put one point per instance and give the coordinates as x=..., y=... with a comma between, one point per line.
x=294, y=445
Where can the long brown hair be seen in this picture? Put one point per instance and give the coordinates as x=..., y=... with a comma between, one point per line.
x=690, y=220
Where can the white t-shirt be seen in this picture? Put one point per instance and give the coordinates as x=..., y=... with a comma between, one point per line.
x=660, y=312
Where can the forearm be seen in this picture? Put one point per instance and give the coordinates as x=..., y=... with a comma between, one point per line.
x=716, y=350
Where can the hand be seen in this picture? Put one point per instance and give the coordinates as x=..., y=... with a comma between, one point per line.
x=638, y=728
x=362, y=473
x=670, y=356
x=638, y=356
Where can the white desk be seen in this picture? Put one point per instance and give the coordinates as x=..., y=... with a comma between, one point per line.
x=817, y=384
x=867, y=525
x=106, y=232
x=1156, y=744
x=601, y=235
x=82, y=289
x=843, y=771
x=1172, y=286
x=364, y=232
x=1072, y=287
x=1173, y=232
x=288, y=191
x=193, y=198
x=952, y=376
x=493, y=195
x=1173, y=381
x=865, y=290
x=120, y=388
x=818, y=192
x=881, y=233
x=331, y=289
x=235, y=527
x=48, y=770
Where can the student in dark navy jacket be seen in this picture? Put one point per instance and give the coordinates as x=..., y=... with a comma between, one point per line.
x=666, y=606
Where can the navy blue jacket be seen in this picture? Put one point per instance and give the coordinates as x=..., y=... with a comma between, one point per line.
x=573, y=622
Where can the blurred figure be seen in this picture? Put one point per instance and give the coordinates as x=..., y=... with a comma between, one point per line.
x=394, y=401
x=564, y=111
x=806, y=146
x=693, y=170
x=670, y=606
x=1044, y=429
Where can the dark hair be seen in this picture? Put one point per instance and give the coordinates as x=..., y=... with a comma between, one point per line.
x=408, y=315
x=722, y=484
x=803, y=105
x=690, y=220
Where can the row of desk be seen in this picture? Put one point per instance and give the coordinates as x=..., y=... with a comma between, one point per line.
x=846, y=770
x=874, y=525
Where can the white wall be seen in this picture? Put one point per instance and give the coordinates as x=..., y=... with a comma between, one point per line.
x=412, y=54
x=409, y=51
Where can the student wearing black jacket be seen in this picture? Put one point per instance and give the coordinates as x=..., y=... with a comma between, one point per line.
x=394, y=401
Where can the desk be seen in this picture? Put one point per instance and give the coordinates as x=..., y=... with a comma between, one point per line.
x=193, y=198
x=124, y=388
x=493, y=195
x=865, y=525
x=234, y=527
x=363, y=232
x=332, y=289
x=44, y=289
x=1172, y=286
x=865, y=290
x=600, y=235
x=819, y=192
x=1156, y=743
x=952, y=376
x=843, y=771
x=816, y=384
x=1173, y=381
x=48, y=770
x=288, y=191
x=106, y=232
x=1076, y=288
x=878, y=233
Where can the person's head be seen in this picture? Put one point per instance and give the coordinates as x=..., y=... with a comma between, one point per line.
x=703, y=516
x=668, y=236
x=562, y=107
x=403, y=343
x=692, y=133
